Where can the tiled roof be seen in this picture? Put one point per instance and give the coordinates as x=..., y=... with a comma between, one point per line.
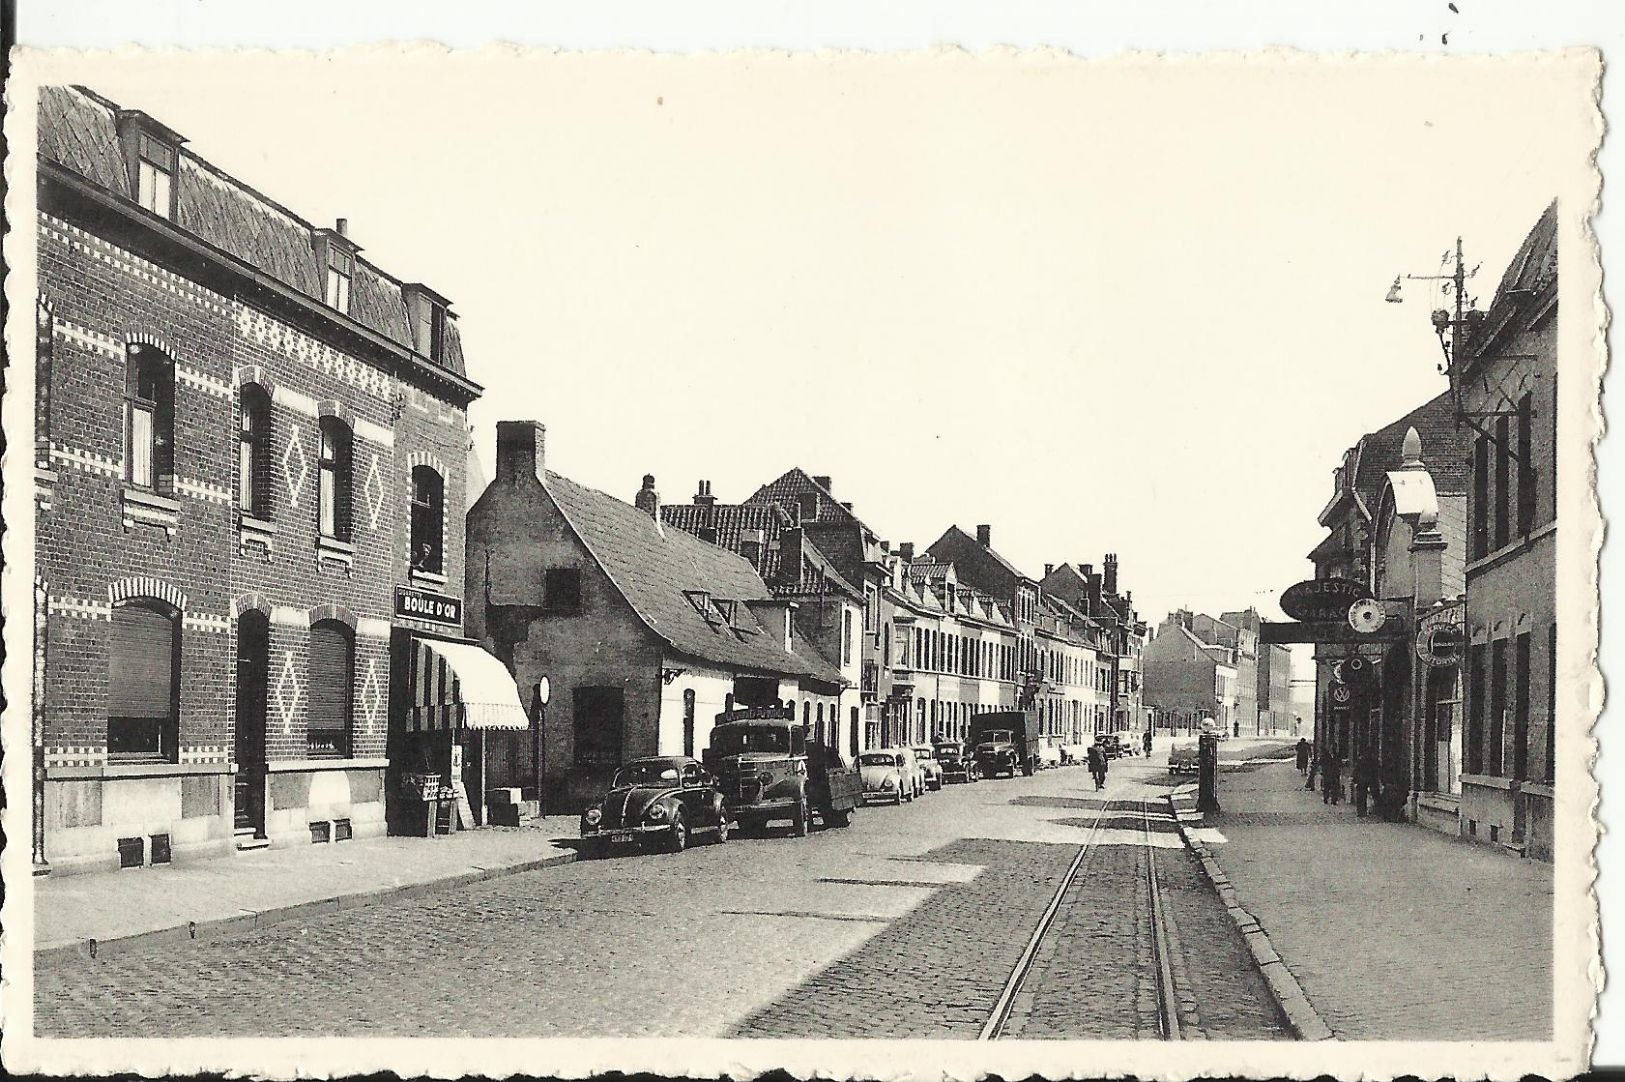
x=78, y=130
x=793, y=484
x=730, y=520
x=973, y=560
x=1446, y=450
x=1532, y=272
x=652, y=567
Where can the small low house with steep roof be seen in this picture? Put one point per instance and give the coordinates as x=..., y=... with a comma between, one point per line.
x=644, y=633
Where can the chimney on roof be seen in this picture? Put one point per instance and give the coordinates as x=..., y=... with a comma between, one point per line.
x=1087, y=571
x=342, y=227
x=1049, y=569
x=752, y=543
x=647, y=499
x=790, y=554
x=1110, y=584
x=984, y=536
x=703, y=496
x=521, y=450
x=823, y=483
x=906, y=551
x=708, y=534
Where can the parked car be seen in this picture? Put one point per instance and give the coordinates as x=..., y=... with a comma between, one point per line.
x=887, y=776
x=660, y=800
x=768, y=770
x=1182, y=758
x=957, y=761
x=925, y=760
x=1006, y=741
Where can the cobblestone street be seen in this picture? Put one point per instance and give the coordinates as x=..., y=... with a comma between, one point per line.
x=906, y=925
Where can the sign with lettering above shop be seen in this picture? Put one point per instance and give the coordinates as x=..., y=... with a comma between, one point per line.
x=422, y=605
x=1322, y=599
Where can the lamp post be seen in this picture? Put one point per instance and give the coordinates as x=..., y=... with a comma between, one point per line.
x=543, y=692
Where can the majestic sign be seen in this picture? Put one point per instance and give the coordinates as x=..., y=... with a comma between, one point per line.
x=1439, y=646
x=422, y=605
x=1322, y=599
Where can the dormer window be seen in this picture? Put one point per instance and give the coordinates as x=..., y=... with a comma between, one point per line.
x=340, y=269
x=152, y=160
x=427, y=312
x=155, y=176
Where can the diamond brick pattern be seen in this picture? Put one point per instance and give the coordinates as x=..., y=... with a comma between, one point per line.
x=287, y=692
x=295, y=467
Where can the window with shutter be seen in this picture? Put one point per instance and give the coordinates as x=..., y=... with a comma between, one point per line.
x=142, y=706
x=332, y=667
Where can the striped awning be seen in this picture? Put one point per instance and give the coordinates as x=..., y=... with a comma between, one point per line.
x=458, y=685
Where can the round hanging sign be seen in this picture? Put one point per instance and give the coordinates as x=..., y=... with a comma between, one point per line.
x=1439, y=646
x=1315, y=600
x=1366, y=616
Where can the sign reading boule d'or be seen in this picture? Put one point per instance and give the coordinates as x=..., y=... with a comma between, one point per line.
x=1322, y=599
x=422, y=605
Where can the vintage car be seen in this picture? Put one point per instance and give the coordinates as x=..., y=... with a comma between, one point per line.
x=769, y=770
x=925, y=760
x=1182, y=758
x=888, y=776
x=661, y=800
x=957, y=761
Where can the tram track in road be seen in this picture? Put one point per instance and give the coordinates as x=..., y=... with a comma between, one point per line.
x=1170, y=1015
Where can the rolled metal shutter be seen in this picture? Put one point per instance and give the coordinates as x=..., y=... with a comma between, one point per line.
x=141, y=664
x=330, y=667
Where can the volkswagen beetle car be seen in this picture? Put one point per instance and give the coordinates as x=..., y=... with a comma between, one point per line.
x=925, y=761
x=661, y=800
x=887, y=776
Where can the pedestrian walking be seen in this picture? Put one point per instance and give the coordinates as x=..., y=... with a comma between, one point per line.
x=1097, y=765
x=1331, y=779
x=1148, y=740
x=1365, y=780
x=1303, y=756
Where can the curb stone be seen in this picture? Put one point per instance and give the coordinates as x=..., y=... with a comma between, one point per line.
x=1300, y=1014
x=248, y=920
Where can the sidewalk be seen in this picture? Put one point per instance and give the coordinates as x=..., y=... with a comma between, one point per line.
x=1394, y=932
x=235, y=894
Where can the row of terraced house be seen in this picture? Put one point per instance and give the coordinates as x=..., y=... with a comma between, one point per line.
x=269, y=609
x=651, y=620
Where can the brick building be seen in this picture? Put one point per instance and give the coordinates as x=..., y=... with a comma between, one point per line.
x=1096, y=595
x=954, y=650
x=247, y=439
x=860, y=555
x=1187, y=678
x=645, y=632
x=1503, y=370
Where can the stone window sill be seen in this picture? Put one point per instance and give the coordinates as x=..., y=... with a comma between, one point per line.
x=144, y=506
x=426, y=578
x=1487, y=781
x=252, y=530
x=1510, y=549
x=282, y=766
x=331, y=548
x=1535, y=788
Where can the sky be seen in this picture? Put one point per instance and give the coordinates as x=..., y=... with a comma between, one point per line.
x=1132, y=308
